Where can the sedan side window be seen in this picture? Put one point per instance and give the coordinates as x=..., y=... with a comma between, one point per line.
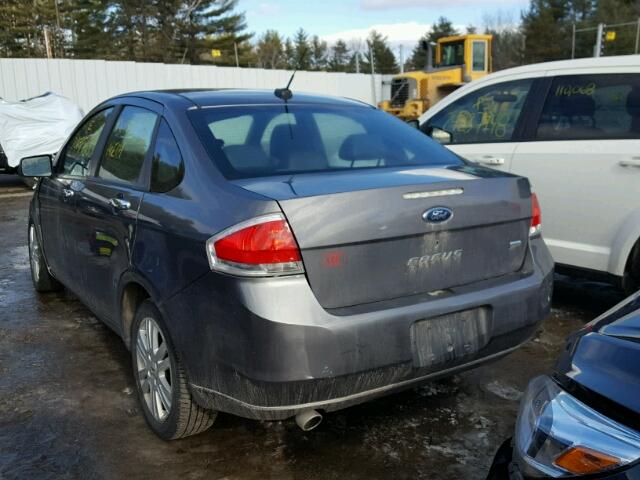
x=78, y=152
x=128, y=144
x=591, y=107
x=167, y=168
x=485, y=116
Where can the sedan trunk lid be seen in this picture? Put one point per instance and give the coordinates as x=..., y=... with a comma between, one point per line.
x=364, y=235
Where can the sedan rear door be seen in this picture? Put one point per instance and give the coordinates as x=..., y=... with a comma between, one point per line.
x=583, y=160
x=108, y=203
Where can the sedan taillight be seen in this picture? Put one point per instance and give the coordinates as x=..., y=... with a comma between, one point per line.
x=536, y=217
x=260, y=247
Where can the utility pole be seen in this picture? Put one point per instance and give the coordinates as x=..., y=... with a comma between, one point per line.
x=637, y=36
x=573, y=41
x=47, y=41
x=374, y=97
x=357, y=62
x=401, y=59
x=235, y=49
x=597, y=50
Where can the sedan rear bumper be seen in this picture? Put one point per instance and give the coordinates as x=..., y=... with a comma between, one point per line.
x=266, y=348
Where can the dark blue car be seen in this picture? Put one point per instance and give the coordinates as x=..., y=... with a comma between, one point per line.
x=583, y=419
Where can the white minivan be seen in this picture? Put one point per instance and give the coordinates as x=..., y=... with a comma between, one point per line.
x=573, y=128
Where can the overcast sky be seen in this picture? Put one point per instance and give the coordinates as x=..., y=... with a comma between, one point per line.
x=402, y=21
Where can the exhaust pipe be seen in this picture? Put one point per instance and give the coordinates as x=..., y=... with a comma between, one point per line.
x=308, y=420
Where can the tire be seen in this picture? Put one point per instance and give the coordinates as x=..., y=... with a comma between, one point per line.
x=631, y=278
x=158, y=373
x=42, y=279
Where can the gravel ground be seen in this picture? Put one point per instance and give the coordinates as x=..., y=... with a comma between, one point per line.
x=68, y=408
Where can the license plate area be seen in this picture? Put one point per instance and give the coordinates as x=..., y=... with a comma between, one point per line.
x=449, y=338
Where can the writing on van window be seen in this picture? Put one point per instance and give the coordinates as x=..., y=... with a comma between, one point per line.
x=569, y=90
x=488, y=115
x=591, y=107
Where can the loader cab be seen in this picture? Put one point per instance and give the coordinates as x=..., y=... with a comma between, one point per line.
x=458, y=60
x=473, y=52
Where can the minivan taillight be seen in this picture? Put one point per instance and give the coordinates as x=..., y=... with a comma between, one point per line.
x=260, y=247
x=536, y=217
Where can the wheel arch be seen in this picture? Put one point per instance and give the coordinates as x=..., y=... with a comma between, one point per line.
x=627, y=238
x=133, y=290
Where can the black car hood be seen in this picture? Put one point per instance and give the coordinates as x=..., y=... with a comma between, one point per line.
x=604, y=357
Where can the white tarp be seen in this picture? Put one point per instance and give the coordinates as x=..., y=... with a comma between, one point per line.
x=36, y=126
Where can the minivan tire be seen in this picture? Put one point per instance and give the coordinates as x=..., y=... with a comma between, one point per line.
x=631, y=278
x=43, y=281
x=184, y=417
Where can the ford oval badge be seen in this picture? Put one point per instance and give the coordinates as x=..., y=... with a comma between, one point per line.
x=437, y=215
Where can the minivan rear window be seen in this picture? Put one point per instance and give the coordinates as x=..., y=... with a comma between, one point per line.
x=286, y=139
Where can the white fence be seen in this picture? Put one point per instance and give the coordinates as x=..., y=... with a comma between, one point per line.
x=88, y=82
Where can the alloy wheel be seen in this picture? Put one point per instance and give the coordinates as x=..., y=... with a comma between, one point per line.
x=154, y=369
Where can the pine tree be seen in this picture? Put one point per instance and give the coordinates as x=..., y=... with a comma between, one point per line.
x=318, y=53
x=289, y=55
x=356, y=46
x=124, y=26
x=165, y=26
x=339, y=57
x=209, y=25
x=507, y=47
x=22, y=28
x=442, y=28
x=383, y=58
x=302, y=50
x=270, y=50
x=86, y=19
x=547, y=31
x=16, y=29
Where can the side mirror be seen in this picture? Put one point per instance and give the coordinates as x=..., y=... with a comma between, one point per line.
x=37, y=166
x=414, y=123
x=441, y=136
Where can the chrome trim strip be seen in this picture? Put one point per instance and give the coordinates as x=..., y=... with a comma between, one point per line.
x=433, y=193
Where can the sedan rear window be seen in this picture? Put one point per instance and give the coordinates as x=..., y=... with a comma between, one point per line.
x=265, y=140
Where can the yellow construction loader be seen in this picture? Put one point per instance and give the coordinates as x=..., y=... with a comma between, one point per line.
x=458, y=60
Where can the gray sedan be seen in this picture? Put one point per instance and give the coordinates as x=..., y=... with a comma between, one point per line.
x=277, y=257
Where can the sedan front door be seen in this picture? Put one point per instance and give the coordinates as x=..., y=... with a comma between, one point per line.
x=56, y=196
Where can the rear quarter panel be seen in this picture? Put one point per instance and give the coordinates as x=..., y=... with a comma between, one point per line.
x=173, y=227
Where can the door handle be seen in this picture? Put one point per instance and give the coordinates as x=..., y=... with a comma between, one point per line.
x=120, y=203
x=67, y=193
x=633, y=162
x=489, y=160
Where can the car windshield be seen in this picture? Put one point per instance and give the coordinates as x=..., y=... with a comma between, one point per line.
x=258, y=141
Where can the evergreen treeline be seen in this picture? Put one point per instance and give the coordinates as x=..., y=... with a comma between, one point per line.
x=210, y=32
x=547, y=27
x=170, y=31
